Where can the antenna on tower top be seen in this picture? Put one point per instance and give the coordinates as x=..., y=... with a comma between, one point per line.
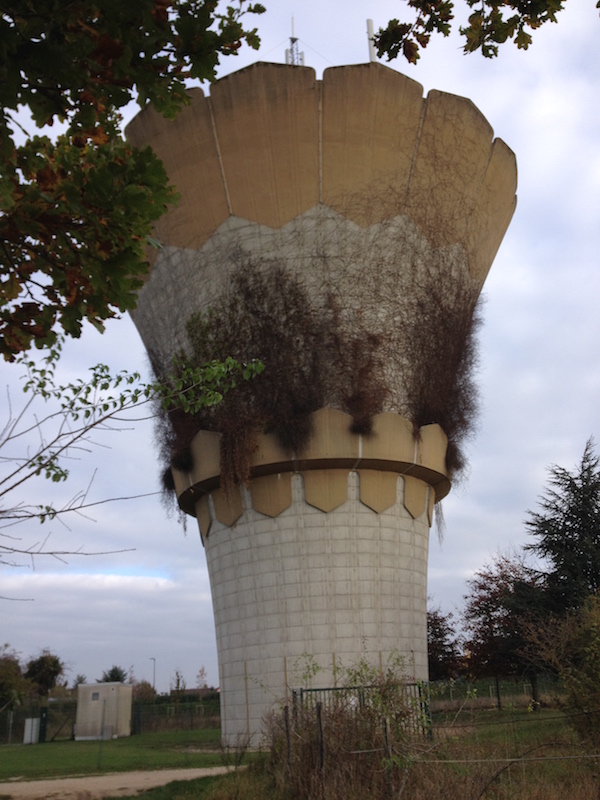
x=372, y=52
x=292, y=55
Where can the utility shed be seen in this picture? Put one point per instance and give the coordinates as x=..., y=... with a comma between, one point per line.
x=103, y=711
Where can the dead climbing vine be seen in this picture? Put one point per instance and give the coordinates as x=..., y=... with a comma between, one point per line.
x=365, y=320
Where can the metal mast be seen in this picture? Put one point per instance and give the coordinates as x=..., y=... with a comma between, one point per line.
x=292, y=55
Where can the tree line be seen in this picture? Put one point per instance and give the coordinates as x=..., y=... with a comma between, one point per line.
x=520, y=619
x=523, y=618
x=28, y=681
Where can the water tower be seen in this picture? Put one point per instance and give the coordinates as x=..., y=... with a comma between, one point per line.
x=341, y=231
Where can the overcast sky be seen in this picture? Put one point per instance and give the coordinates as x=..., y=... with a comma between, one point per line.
x=539, y=376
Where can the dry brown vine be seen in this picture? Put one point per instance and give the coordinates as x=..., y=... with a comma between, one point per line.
x=409, y=351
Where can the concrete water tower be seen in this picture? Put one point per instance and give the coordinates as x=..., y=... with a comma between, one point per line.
x=341, y=231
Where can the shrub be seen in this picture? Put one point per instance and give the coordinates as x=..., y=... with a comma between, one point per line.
x=570, y=647
x=354, y=741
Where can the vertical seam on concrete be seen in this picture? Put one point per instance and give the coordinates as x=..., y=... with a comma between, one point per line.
x=478, y=192
x=415, y=152
x=356, y=464
x=213, y=125
x=247, y=699
x=428, y=505
x=470, y=218
x=222, y=696
x=320, y=107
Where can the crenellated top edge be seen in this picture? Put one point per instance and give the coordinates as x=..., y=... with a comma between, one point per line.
x=392, y=447
x=271, y=141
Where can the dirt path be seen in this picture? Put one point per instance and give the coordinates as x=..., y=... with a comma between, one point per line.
x=115, y=784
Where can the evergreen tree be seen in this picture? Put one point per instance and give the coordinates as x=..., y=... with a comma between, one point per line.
x=114, y=675
x=567, y=532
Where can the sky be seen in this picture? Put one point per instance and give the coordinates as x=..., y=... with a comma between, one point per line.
x=148, y=607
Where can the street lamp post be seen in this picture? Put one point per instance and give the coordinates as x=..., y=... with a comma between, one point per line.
x=153, y=672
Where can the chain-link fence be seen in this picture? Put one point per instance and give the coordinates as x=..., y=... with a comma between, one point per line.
x=33, y=723
x=175, y=717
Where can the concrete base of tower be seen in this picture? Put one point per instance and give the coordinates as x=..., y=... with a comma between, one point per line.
x=311, y=589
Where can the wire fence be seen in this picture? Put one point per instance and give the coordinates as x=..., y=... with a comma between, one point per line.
x=449, y=694
x=415, y=697
x=33, y=723
x=175, y=717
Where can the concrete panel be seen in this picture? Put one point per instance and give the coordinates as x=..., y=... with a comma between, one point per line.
x=331, y=436
x=378, y=490
x=493, y=212
x=326, y=489
x=430, y=508
x=206, y=456
x=431, y=448
x=182, y=480
x=272, y=494
x=392, y=439
x=268, y=451
x=228, y=507
x=267, y=122
x=371, y=118
x=187, y=148
x=452, y=156
x=203, y=516
x=392, y=448
x=415, y=496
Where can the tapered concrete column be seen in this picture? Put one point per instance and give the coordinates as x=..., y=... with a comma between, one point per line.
x=323, y=586
x=323, y=556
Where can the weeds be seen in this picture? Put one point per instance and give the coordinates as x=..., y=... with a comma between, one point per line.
x=491, y=755
x=355, y=738
x=233, y=756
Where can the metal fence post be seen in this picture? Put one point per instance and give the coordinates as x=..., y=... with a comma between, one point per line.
x=320, y=744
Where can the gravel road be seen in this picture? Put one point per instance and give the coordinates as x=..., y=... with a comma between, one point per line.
x=96, y=787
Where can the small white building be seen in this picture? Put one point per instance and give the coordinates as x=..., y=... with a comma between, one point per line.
x=103, y=711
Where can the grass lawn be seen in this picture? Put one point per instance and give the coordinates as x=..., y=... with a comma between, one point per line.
x=239, y=785
x=178, y=790
x=146, y=752
x=513, y=755
x=479, y=755
x=505, y=755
